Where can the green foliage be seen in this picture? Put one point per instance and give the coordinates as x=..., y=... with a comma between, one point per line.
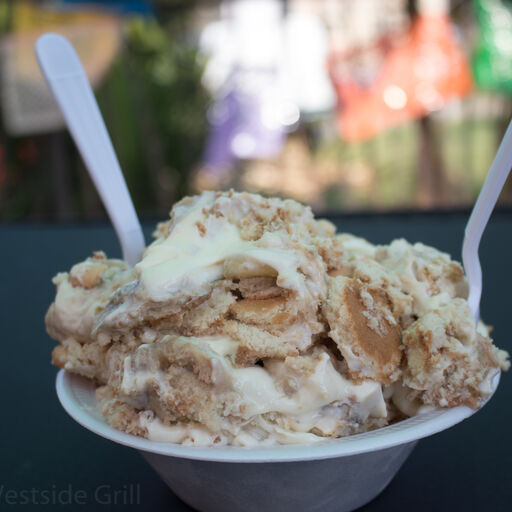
x=169, y=99
x=154, y=107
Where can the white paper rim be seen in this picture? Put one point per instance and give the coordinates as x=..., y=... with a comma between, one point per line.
x=76, y=394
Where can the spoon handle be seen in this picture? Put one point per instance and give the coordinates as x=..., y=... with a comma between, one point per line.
x=68, y=82
x=482, y=210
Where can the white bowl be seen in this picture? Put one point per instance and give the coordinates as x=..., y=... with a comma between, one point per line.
x=338, y=475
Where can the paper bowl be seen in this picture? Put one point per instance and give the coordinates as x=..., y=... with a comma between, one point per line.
x=334, y=475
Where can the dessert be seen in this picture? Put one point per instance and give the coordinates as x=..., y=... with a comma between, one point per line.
x=249, y=322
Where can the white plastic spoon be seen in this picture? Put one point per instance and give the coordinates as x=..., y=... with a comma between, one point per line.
x=68, y=82
x=477, y=222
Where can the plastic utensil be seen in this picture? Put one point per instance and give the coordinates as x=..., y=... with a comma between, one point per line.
x=68, y=82
x=477, y=222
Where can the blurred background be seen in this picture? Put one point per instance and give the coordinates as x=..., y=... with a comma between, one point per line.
x=347, y=105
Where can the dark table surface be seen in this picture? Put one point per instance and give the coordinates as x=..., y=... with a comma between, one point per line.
x=45, y=455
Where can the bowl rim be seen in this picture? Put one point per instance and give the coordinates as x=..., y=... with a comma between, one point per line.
x=76, y=395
